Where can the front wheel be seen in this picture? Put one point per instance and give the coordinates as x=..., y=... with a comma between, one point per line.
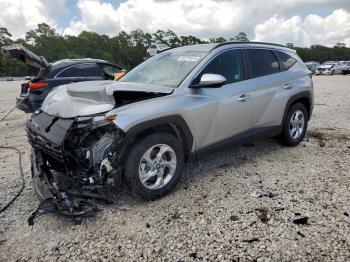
x=295, y=125
x=154, y=166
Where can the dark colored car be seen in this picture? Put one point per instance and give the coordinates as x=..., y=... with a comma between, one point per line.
x=51, y=75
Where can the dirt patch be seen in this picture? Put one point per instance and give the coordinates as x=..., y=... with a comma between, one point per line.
x=329, y=134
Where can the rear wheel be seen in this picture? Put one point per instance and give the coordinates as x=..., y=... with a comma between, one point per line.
x=154, y=166
x=295, y=125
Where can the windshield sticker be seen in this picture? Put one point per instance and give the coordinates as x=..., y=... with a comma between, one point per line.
x=188, y=58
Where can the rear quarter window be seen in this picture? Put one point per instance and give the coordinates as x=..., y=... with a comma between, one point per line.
x=286, y=60
x=262, y=62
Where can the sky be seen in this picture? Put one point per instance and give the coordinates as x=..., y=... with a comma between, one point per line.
x=302, y=22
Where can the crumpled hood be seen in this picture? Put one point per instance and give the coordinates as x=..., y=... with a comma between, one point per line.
x=91, y=97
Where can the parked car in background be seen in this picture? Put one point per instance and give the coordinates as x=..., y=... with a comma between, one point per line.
x=175, y=107
x=27, y=78
x=329, y=68
x=51, y=75
x=156, y=49
x=312, y=66
x=345, y=67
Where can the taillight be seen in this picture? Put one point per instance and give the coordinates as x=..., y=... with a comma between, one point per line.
x=37, y=85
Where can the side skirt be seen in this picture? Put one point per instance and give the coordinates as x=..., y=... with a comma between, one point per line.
x=236, y=140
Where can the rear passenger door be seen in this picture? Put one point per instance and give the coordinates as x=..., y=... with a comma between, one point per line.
x=268, y=85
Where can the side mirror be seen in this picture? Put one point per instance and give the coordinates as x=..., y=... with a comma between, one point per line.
x=211, y=80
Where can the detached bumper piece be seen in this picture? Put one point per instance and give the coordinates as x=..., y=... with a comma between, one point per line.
x=72, y=165
x=59, y=194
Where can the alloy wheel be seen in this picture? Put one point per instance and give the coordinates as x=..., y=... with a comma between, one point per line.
x=157, y=166
x=296, y=124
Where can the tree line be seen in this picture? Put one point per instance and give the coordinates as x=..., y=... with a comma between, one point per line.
x=127, y=50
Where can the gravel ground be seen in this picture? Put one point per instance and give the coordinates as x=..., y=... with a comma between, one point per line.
x=258, y=202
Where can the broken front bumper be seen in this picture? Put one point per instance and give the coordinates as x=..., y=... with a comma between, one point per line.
x=60, y=181
x=67, y=201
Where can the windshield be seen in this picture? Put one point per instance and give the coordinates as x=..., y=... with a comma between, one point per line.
x=167, y=69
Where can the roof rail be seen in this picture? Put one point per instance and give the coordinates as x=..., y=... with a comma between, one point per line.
x=249, y=42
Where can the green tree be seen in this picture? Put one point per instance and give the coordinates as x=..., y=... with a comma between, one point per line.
x=241, y=36
x=126, y=49
x=340, y=45
x=5, y=37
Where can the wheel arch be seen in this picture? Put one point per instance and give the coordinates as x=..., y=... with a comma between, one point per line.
x=173, y=124
x=304, y=98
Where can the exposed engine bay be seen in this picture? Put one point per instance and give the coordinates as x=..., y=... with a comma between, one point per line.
x=73, y=163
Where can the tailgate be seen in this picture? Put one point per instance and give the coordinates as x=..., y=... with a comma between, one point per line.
x=26, y=56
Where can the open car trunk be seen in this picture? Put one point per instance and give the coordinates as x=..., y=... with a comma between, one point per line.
x=26, y=56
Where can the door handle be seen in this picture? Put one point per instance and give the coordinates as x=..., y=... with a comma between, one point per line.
x=243, y=98
x=288, y=86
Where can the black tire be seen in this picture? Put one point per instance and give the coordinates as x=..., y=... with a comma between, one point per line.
x=132, y=164
x=286, y=137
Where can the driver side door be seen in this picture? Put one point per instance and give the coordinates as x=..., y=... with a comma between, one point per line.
x=233, y=99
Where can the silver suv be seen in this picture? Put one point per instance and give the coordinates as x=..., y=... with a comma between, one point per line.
x=173, y=108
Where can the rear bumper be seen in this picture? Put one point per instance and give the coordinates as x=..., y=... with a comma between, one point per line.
x=22, y=103
x=28, y=103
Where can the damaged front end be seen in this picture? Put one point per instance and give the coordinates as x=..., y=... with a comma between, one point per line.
x=77, y=147
x=75, y=163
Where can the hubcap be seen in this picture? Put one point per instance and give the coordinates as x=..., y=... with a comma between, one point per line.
x=157, y=166
x=296, y=124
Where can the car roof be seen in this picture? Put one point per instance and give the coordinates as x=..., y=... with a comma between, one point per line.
x=212, y=46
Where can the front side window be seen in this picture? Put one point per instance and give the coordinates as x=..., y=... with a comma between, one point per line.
x=228, y=64
x=81, y=70
x=287, y=61
x=262, y=62
x=167, y=69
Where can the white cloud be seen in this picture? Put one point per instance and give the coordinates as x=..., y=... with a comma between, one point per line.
x=19, y=16
x=313, y=29
x=275, y=21
x=272, y=22
x=95, y=16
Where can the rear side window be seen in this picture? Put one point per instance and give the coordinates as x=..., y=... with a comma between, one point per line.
x=262, y=62
x=81, y=70
x=286, y=60
x=227, y=64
